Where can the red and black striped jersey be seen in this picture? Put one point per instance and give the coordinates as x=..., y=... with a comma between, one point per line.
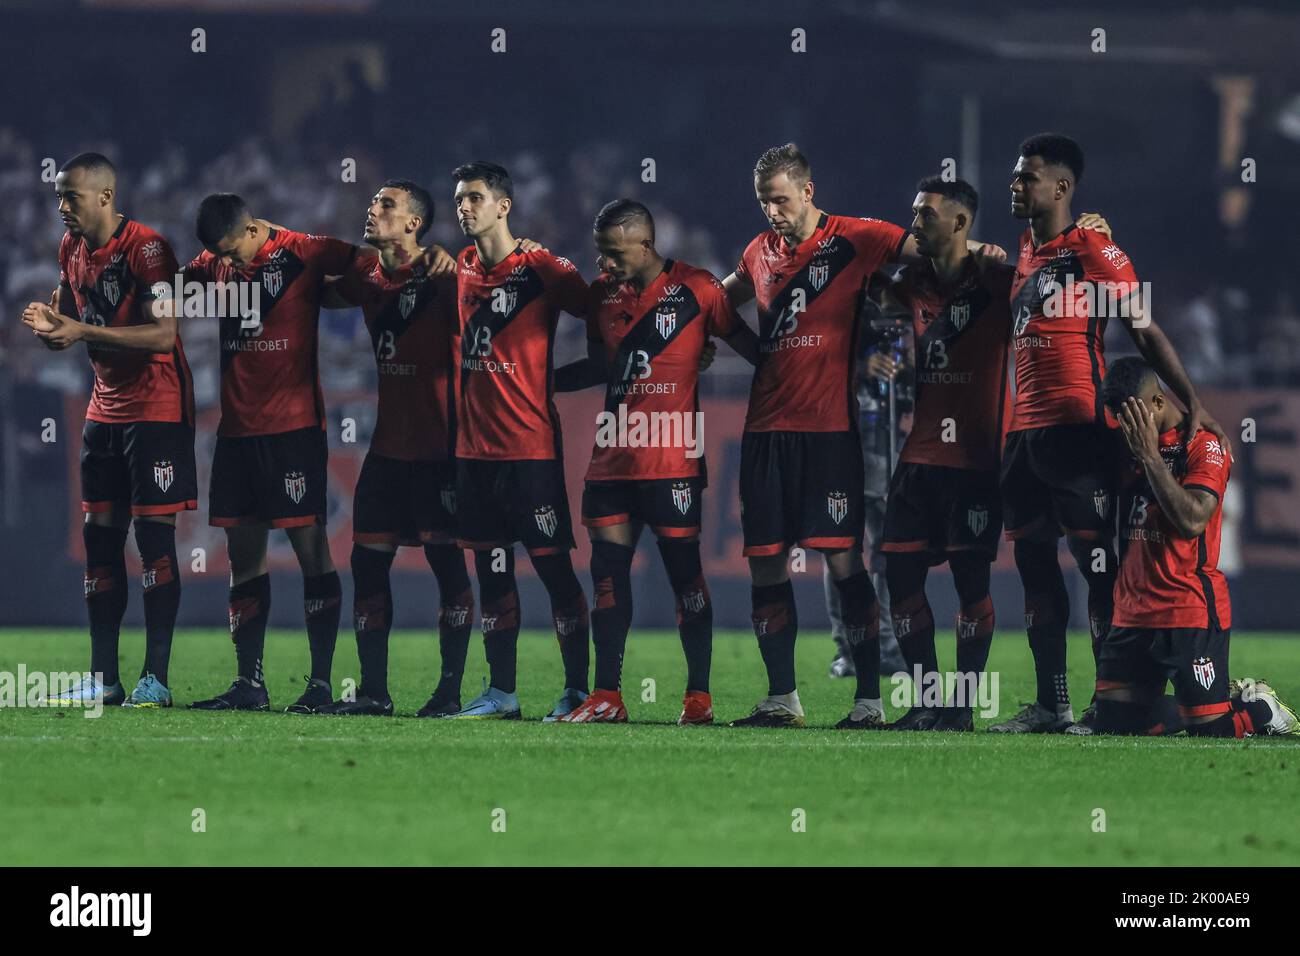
x=961, y=334
x=1166, y=580
x=810, y=301
x=505, y=409
x=652, y=341
x=412, y=321
x=1060, y=358
x=110, y=287
x=270, y=379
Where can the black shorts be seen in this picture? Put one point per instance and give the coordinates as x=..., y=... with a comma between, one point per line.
x=404, y=502
x=670, y=506
x=269, y=479
x=801, y=488
x=146, y=466
x=501, y=502
x=936, y=509
x=1194, y=658
x=1060, y=479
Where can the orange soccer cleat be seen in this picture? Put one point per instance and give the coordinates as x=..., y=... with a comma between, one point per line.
x=600, y=707
x=697, y=708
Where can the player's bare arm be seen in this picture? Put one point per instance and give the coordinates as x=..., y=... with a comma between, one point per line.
x=584, y=373
x=157, y=333
x=1188, y=509
x=738, y=290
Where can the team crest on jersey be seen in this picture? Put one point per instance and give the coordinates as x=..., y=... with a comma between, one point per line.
x=682, y=496
x=837, y=506
x=272, y=281
x=295, y=485
x=1203, y=671
x=407, y=301
x=1022, y=320
x=959, y=315
x=818, y=274
x=111, y=288
x=449, y=500
x=666, y=322
x=1046, y=279
x=977, y=519
x=1101, y=501
x=163, y=474
x=546, y=520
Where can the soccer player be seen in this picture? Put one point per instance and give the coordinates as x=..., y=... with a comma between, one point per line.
x=406, y=492
x=137, y=454
x=269, y=466
x=649, y=321
x=801, y=457
x=509, y=461
x=1172, y=613
x=1056, y=472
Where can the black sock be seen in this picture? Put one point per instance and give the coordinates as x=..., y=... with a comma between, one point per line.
x=694, y=608
x=162, y=593
x=1047, y=612
x=611, y=612
x=372, y=617
x=322, y=601
x=569, y=611
x=913, y=623
x=970, y=574
x=250, y=606
x=776, y=625
x=455, y=613
x=105, y=587
x=499, y=598
x=1101, y=587
x=860, y=611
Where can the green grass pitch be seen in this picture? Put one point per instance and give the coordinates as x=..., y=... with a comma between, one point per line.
x=277, y=789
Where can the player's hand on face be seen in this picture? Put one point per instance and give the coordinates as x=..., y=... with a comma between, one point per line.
x=707, y=355
x=1138, y=424
x=1095, y=222
x=881, y=366
x=437, y=261
x=531, y=245
x=1198, y=419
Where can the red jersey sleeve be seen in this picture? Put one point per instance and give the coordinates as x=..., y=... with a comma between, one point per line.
x=63, y=258
x=152, y=262
x=352, y=286
x=564, y=284
x=719, y=315
x=742, y=267
x=199, y=268
x=1103, y=261
x=878, y=240
x=333, y=256
x=1207, y=465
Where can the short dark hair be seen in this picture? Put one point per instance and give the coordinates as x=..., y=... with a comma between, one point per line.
x=1057, y=149
x=788, y=159
x=91, y=162
x=494, y=177
x=621, y=212
x=418, y=198
x=220, y=215
x=1125, y=378
x=956, y=190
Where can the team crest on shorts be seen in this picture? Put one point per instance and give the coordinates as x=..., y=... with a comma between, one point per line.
x=682, y=496
x=1100, y=501
x=818, y=273
x=163, y=474
x=546, y=521
x=272, y=281
x=837, y=506
x=406, y=302
x=977, y=519
x=295, y=485
x=1203, y=671
x=666, y=322
x=449, y=500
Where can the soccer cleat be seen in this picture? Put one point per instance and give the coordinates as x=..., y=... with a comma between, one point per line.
x=441, y=704
x=863, y=716
x=85, y=691
x=917, y=718
x=492, y=704
x=842, y=665
x=1085, y=726
x=314, y=699
x=600, y=707
x=363, y=706
x=1285, y=721
x=955, y=720
x=569, y=701
x=697, y=708
x=242, y=695
x=149, y=692
x=769, y=712
x=1035, y=719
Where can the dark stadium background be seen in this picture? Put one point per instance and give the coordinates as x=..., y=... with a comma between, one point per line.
x=287, y=90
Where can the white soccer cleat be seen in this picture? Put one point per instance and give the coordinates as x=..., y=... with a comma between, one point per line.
x=1250, y=689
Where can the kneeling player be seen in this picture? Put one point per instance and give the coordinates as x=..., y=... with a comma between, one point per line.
x=1172, y=613
x=406, y=492
x=649, y=320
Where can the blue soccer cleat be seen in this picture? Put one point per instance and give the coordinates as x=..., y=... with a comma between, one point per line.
x=149, y=692
x=86, y=691
x=569, y=701
x=492, y=704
